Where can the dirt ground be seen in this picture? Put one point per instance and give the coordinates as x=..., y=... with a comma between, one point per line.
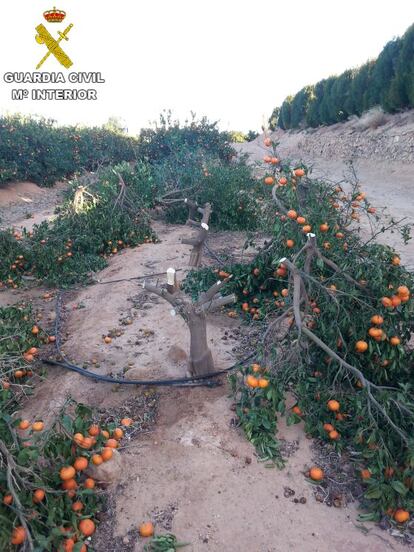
x=194, y=474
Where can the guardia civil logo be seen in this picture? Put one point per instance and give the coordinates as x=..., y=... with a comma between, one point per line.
x=53, y=45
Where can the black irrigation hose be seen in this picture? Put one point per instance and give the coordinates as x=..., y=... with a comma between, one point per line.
x=179, y=381
x=184, y=382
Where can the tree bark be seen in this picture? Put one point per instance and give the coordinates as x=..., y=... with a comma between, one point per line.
x=201, y=360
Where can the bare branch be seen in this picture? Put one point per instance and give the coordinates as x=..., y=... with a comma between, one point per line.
x=162, y=292
x=211, y=292
x=11, y=466
x=219, y=302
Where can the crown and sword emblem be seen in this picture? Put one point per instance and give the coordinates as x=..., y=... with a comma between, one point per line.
x=53, y=45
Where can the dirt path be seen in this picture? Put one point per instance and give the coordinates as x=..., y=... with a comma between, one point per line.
x=24, y=204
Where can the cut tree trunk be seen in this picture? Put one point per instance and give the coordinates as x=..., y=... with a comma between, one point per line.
x=201, y=360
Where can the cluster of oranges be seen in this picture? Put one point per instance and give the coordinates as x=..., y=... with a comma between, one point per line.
x=68, y=247
x=402, y=296
x=375, y=331
x=68, y=475
x=256, y=380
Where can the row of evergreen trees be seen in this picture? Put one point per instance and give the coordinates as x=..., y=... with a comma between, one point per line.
x=387, y=81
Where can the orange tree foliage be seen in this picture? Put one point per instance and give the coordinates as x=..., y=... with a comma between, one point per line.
x=345, y=305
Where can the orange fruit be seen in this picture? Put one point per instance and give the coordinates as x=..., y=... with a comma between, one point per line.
x=77, y=506
x=252, y=381
x=301, y=220
x=38, y=496
x=86, y=443
x=396, y=301
x=89, y=483
x=117, y=433
x=269, y=180
x=146, y=529
x=386, y=301
x=105, y=433
x=94, y=430
x=78, y=438
x=67, y=472
x=388, y=472
x=365, y=474
x=324, y=227
x=292, y=214
x=24, y=424
x=38, y=426
x=403, y=291
x=113, y=443
x=297, y=410
x=394, y=341
x=333, y=405
x=18, y=535
x=307, y=228
x=263, y=382
x=328, y=427
x=51, y=338
x=401, y=516
x=87, y=527
x=68, y=545
x=283, y=181
x=107, y=339
x=334, y=435
x=69, y=485
x=396, y=260
x=256, y=368
x=127, y=421
x=107, y=454
x=35, y=330
x=375, y=332
x=361, y=346
x=97, y=459
x=8, y=499
x=377, y=319
x=299, y=172
x=32, y=351
x=290, y=243
x=81, y=463
x=316, y=474
x=274, y=160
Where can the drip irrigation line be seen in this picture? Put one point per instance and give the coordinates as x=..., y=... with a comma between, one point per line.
x=135, y=278
x=185, y=382
x=193, y=381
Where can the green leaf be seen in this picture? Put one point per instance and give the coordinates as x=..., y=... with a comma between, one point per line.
x=373, y=493
x=399, y=487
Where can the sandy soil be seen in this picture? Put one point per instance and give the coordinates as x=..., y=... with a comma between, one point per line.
x=195, y=473
x=23, y=204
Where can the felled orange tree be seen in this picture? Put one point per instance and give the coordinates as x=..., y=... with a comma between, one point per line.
x=337, y=317
x=47, y=502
